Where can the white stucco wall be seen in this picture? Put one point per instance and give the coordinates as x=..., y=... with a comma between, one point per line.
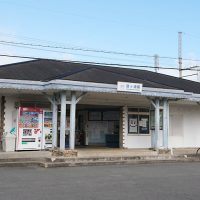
x=134, y=141
x=184, y=127
x=10, y=112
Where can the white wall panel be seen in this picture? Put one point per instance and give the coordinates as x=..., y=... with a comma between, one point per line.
x=184, y=126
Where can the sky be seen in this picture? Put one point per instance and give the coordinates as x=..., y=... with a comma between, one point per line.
x=130, y=26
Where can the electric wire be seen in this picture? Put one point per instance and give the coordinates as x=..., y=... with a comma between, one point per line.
x=70, y=53
x=91, y=50
x=83, y=62
x=190, y=75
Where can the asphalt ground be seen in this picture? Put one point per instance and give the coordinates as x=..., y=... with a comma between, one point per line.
x=170, y=181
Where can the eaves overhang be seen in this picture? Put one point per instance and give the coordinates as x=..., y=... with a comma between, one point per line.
x=68, y=85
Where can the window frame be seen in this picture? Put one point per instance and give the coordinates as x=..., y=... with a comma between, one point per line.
x=138, y=113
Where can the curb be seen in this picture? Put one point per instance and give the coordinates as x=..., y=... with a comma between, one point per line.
x=78, y=163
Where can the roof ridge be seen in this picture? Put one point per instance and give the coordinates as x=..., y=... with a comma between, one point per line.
x=66, y=74
x=148, y=81
x=145, y=70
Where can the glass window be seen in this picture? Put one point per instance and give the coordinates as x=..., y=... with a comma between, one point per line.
x=132, y=124
x=144, y=124
x=138, y=124
x=94, y=115
x=132, y=109
x=111, y=116
x=144, y=110
x=138, y=121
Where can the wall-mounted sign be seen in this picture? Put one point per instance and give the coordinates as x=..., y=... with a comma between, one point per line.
x=129, y=87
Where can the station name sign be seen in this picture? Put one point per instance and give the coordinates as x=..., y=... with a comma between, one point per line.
x=129, y=87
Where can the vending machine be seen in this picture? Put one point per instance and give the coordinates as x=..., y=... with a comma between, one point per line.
x=47, y=129
x=29, y=128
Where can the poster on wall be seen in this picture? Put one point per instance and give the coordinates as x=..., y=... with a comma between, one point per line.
x=144, y=124
x=132, y=124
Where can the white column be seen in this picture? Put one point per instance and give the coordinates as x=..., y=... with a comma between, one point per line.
x=157, y=122
x=62, y=120
x=54, y=121
x=124, y=127
x=153, y=138
x=165, y=123
x=72, y=121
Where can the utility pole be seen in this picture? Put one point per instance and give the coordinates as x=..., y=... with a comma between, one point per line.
x=156, y=62
x=180, y=53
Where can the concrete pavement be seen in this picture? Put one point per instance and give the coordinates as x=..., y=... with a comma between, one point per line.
x=88, y=157
x=177, y=181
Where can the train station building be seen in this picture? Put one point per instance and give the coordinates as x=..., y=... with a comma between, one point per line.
x=49, y=103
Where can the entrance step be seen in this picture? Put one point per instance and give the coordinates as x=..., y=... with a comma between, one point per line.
x=84, y=161
x=109, y=152
x=109, y=161
x=184, y=151
x=94, y=161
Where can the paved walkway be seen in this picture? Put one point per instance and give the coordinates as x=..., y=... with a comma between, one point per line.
x=25, y=154
x=82, y=152
x=95, y=152
x=108, y=152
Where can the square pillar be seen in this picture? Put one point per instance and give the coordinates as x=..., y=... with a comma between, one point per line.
x=165, y=123
x=157, y=123
x=62, y=120
x=72, y=121
x=54, y=120
x=124, y=127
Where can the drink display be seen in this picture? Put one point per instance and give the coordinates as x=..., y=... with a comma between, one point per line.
x=29, y=130
x=47, y=129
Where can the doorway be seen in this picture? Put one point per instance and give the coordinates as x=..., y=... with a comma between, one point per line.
x=98, y=127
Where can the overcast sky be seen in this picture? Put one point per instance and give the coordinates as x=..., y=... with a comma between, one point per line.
x=132, y=26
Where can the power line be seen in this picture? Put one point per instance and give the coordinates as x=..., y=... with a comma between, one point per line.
x=91, y=50
x=56, y=51
x=190, y=69
x=32, y=39
x=76, y=49
x=196, y=66
x=95, y=63
x=82, y=62
x=98, y=63
x=190, y=75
